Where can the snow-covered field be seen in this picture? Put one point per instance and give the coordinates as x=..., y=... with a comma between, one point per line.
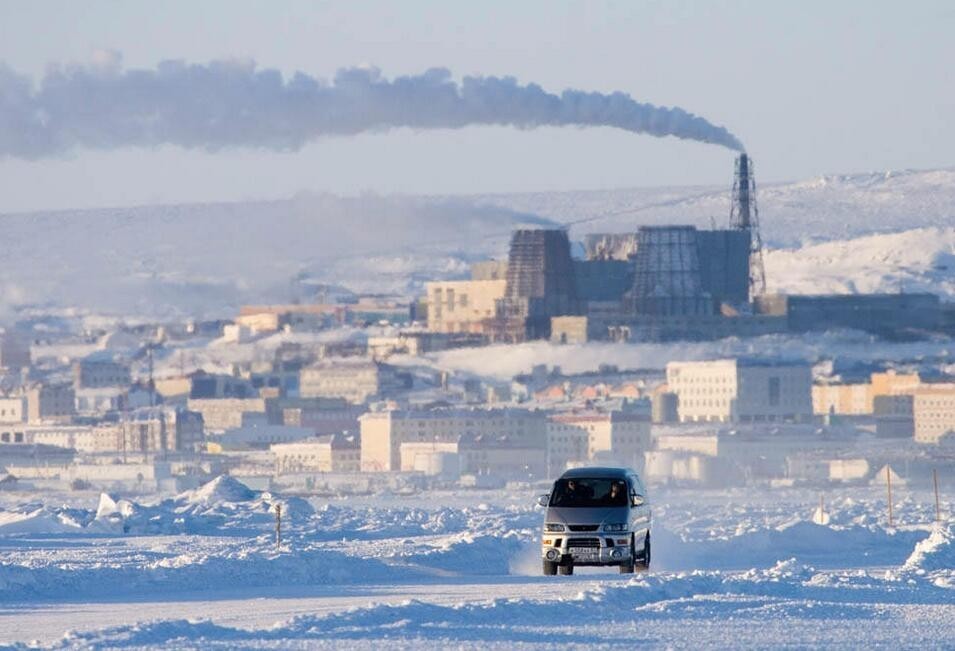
x=742, y=568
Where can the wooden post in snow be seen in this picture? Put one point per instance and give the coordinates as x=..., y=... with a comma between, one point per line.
x=938, y=510
x=888, y=484
x=278, y=527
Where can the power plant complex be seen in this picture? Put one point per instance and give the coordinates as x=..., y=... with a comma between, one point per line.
x=657, y=283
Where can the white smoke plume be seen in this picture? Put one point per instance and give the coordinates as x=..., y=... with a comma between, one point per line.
x=234, y=104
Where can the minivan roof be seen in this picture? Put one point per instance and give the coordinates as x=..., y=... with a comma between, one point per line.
x=597, y=473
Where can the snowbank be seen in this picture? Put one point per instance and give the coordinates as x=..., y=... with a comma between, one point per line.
x=935, y=556
x=39, y=520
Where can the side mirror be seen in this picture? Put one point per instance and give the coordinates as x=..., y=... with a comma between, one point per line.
x=637, y=500
x=543, y=500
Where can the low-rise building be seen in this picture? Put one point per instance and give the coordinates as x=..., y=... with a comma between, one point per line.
x=50, y=402
x=105, y=437
x=355, y=380
x=894, y=416
x=463, y=305
x=31, y=455
x=100, y=370
x=858, y=399
x=331, y=453
x=741, y=390
x=258, y=437
x=382, y=433
x=220, y=414
x=100, y=400
x=321, y=419
x=13, y=410
x=501, y=455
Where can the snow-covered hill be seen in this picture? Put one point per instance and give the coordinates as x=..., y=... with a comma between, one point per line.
x=917, y=260
x=864, y=232
x=208, y=258
x=792, y=214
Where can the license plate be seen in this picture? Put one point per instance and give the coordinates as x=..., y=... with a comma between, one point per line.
x=585, y=554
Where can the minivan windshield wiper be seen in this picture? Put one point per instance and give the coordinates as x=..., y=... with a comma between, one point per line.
x=589, y=493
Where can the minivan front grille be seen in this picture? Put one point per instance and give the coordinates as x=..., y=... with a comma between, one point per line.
x=584, y=527
x=583, y=542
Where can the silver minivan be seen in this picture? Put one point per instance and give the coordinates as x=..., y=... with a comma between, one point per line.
x=596, y=516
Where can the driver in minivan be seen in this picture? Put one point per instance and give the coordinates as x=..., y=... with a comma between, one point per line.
x=617, y=495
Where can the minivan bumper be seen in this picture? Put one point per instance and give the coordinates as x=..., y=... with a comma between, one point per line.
x=582, y=550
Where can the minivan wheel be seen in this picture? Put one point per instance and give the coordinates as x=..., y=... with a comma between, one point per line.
x=627, y=567
x=550, y=568
x=567, y=570
x=644, y=562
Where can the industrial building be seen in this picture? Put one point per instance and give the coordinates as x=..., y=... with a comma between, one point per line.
x=659, y=283
x=888, y=315
x=540, y=285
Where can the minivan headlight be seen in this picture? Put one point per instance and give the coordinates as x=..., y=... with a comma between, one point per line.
x=616, y=526
x=553, y=527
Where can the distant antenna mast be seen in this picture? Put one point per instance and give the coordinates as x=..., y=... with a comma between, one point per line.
x=744, y=215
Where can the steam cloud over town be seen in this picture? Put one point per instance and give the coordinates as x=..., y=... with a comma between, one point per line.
x=226, y=104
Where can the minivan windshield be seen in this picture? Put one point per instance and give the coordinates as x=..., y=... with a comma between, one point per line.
x=589, y=493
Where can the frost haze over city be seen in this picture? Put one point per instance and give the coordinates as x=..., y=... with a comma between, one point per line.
x=365, y=325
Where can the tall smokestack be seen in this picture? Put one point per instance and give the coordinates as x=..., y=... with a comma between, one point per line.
x=741, y=216
x=744, y=216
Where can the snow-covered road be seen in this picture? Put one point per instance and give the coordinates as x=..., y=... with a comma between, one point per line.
x=731, y=569
x=262, y=607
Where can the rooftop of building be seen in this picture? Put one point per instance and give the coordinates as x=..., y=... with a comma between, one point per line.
x=457, y=412
x=337, y=441
x=745, y=362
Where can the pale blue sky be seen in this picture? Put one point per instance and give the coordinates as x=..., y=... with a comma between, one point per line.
x=810, y=87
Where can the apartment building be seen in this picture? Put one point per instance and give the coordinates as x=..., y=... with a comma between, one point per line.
x=382, y=433
x=156, y=429
x=741, y=390
x=619, y=437
x=933, y=413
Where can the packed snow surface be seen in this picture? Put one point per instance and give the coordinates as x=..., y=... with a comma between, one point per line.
x=202, y=570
